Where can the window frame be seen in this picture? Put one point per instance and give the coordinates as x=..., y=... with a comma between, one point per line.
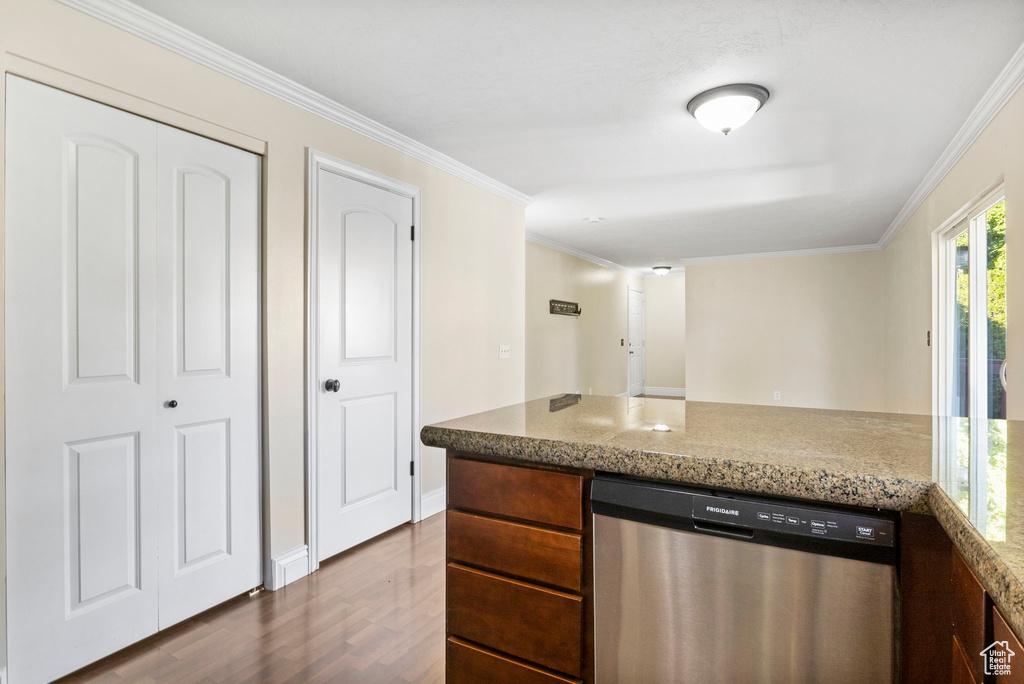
x=972, y=218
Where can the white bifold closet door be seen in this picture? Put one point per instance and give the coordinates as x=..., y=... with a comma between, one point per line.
x=132, y=378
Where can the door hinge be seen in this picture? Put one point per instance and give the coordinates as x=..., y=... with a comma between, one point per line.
x=412, y=468
x=412, y=232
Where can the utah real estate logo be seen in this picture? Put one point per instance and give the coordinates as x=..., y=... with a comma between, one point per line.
x=997, y=658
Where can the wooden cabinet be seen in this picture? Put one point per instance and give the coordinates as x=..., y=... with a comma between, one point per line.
x=970, y=612
x=1002, y=632
x=520, y=594
x=546, y=497
x=961, y=666
x=533, y=553
x=519, y=601
x=471, y=664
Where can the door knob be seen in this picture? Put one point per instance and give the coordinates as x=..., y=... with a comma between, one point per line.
x=173, y=403
x=332, y=385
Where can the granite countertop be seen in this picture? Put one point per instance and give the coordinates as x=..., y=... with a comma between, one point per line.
x=874, y=460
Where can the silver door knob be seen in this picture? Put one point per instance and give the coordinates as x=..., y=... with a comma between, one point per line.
x=332, y=385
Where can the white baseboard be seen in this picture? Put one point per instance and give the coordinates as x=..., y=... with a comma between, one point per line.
x=289, y=567
x=624, y=394
x=666, y=391
x=432, y=503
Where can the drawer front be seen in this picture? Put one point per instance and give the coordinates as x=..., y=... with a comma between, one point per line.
x=1002, y=632
x=968, y=613
x=961, y=673
x=530, y=552
x=539, y=625
x=540, y=496
x=470, y=664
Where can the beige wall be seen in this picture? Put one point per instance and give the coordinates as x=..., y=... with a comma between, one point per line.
x=997, y=153
x=807, y=326
x=665, y=336
x=472, y=241
x=566, y=354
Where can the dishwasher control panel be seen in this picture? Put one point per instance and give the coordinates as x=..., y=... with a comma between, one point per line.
x=810, y=522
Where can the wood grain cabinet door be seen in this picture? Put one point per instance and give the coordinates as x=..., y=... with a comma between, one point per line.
x=1002, y=632
x=541, y=496
x=969, y=614
x=469, y=664
x=540, y=625
x=525, y=551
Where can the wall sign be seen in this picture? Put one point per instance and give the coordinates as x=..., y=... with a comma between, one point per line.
x=557, y=306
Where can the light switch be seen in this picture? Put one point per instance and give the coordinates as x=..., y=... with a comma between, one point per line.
x=504, y=351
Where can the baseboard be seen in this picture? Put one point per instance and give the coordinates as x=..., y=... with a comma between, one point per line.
x=289, y=567
x=433, y=502
x=665, y=391
x=624, y=394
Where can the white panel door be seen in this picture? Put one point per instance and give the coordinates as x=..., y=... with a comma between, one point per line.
x=207, y=332
x=132, y=280
x=82, y=429
x=635, y=307
x=364, y=397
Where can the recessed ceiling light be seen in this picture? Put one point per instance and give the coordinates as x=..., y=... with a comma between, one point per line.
x=661, y=270
x=726, y=108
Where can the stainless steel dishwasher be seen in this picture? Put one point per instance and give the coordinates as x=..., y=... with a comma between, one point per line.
x=695, y=585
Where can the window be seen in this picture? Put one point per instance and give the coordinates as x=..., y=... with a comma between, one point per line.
x=971, y=363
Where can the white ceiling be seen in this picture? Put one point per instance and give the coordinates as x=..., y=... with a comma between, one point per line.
x=581, y=103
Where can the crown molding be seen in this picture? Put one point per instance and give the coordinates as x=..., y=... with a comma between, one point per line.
x=157, y=30
x=1002, y=89
x=580, y=254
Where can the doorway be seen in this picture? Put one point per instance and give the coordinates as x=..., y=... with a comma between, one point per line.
x=363, y=357
x=635, y=334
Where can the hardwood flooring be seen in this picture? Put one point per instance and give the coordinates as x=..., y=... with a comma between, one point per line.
x=372, y=614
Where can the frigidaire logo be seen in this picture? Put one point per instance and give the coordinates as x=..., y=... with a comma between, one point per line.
x=723, y=511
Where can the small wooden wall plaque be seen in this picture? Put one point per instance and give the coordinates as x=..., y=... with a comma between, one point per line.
x=564, y=308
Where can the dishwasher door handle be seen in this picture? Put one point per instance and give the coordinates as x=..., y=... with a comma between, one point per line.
x=723, y=530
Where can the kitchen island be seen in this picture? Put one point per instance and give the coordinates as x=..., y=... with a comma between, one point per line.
x=514, y=473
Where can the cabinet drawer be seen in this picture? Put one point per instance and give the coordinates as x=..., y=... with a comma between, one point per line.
x=471, y=664
x=541, y=496
x=961, y=673
x=525, y=621
x=1002, y=632
x=530, y=552
x=968, y=613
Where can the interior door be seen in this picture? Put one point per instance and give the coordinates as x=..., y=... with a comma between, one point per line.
x=82, y=425
x=207, y=332
x=364, y=361
x=635, y=333
x=131, y=278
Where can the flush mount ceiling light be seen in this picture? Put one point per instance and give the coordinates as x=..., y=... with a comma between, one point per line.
x=661, y=270
x=726, y=108
x=593, y=219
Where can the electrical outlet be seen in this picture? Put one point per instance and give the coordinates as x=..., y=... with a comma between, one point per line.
x=504, y=351
x=778, y=395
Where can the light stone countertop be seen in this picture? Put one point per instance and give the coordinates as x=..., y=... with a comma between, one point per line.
x=873, y=460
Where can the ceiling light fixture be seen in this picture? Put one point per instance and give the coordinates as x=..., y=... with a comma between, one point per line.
x=726, y=108
x=661, y=270
x=593, y=219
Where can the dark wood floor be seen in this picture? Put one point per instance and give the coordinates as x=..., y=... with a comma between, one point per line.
x=373, y=614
